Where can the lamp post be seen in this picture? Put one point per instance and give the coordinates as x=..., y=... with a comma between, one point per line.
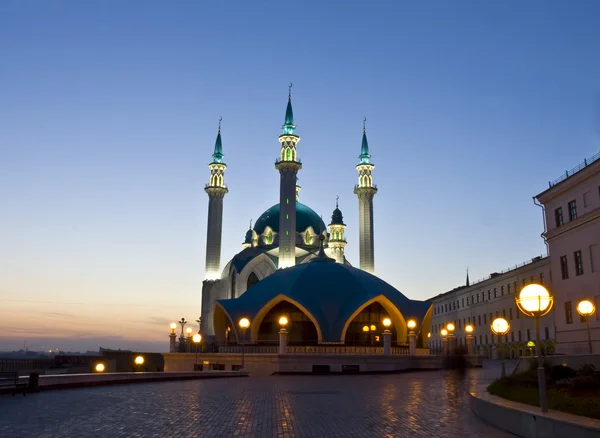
x=181, y=348
x=469, y=329
x=535, y=301
x=444, y=334
x=188, y=339
x=586, y=309
x=387, y=337
x=244, y=324
x=283, y=335
x=173, y=338
x=139, y=361
x=500, y=327
x=451, y=339
x=196, y=338
x=412, y=337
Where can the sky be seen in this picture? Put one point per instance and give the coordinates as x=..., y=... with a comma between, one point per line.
x=109, y=113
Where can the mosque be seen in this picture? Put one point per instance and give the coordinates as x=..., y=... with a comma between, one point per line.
x=292, y=264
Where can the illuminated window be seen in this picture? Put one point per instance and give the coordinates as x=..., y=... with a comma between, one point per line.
x=287, y=200
x=287, y=233
x=287, y=216
x=308, y=238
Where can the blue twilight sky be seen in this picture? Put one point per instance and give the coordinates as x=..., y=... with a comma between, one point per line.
x=108, y=116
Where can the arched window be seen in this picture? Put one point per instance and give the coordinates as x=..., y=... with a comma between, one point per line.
x=288, y=154
x=294, y=154
x=269, y=237
x=233, y=281
x=308, y=237
x=252, y=280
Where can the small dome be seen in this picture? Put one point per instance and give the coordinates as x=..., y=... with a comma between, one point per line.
x=337, y=218
x=249, y=236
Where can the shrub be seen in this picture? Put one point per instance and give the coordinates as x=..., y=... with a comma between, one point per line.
x=586, y=370
x=560, y=372
x=585, y=383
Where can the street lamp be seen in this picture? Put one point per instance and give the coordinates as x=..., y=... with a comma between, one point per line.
x=586, y=309
x=244, y=324
x=444, y=334
x=535, y=301
x=411, y=324
x=283, y=322
x=100, y=368
x=469, y=329
x=173, y=326
x=139, y=361
x=387, y=323
x=500, y=327
x=196, y=338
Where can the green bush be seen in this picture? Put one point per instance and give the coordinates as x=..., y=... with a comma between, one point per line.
x=586, y=370
x=585, y=383
x=560, y=372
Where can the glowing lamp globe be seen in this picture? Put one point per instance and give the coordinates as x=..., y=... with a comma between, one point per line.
x=244, y=323
x=365, y=328
x=387, y=322
x=586, y=308
x=500, y=326
x=100, y=368
x=444, y=332
x=411, y=324
x=534, y=300
x=197, y=338
x=173, y=326
x=189, y=331
x=450, y=327
x=429, y=335
x=139, y=360
x=469, y=328
x=283, y=321
x=373, y=328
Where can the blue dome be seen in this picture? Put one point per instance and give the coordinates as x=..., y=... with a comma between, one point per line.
x=331, y=292
x=305, y=217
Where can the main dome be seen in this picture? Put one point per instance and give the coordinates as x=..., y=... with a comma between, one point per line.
x=305, y=217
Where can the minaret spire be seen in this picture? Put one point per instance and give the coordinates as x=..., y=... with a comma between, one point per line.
x=337, y=227
x=216, y=190
x=468, y=282
x=288, y=166
x=365, y=190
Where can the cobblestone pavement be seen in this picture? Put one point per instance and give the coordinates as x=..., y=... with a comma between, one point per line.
x=419, y=404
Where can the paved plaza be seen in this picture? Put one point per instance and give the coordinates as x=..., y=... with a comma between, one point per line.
x=418, y=404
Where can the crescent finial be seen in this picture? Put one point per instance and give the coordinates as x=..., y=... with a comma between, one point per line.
x=220, y=118
x=365, y=124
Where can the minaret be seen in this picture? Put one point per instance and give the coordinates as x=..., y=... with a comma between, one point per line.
x=216, y=190
x=298, y=188
x=337, y=240
x=365, y=190
x=288, y=167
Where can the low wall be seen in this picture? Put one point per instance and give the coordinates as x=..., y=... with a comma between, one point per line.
x=574, y=361
x=267, y=364
x=528, y=421
x=60, y=381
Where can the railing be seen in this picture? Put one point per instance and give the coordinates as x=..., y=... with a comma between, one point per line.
x=574, y=170
x=312, y=349
x=512, y=268
x=25, y=365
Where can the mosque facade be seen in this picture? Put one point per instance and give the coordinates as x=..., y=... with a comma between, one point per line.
x=293, y=264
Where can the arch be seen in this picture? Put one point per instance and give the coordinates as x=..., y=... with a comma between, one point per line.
x=261, y=265
x=370, y=317
x=260, y=315
x=233, y=279
x=395, y=315
x=288, y=154
x=301, y=330
x=308, y=237
x=252, y=280
x=293, y=154
x=221, y=322
x=425, y=327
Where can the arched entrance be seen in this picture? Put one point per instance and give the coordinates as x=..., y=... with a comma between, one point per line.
x=301, y=330
x=367, y=327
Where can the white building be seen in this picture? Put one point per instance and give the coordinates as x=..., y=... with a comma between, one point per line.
x=480, y=303
x=572, y=231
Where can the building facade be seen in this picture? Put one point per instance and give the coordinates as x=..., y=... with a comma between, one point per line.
x=480, y=303
x=571, y=207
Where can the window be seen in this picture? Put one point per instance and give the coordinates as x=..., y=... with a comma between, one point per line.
x=502, y=290
x=558, y=216
x=518, y=313
x=547, y=333
x=252, y=280
x=524, y=282
x=463, y=302
x=485, y=318
x=477, y=297
x=467, y=301
x=541, y=278
x=459, y=324
x=572, y=210
x=287, y=216
x=491, y=317
x=568, y=312
x=519, y=335
x=287, y=200
x=515, y=284
x=510, y=313
x=564, y=267
x=508, y=288
x=504, y=313
x=578, y=263
x=486, y=341
x=479, y=319
x=489, y=295
x=495, y=293
x=528, y=335
x=512, y=336
x=532, y=280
